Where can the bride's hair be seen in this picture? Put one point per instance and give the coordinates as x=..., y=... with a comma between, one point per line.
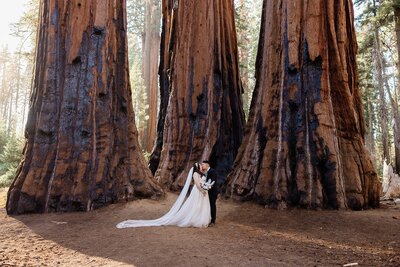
x=196, y=168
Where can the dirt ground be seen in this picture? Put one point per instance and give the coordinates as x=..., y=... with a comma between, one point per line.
x=246, y=234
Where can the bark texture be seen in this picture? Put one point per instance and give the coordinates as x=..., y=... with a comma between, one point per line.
x=304, y=141
x=201, y=115
x=82, y=149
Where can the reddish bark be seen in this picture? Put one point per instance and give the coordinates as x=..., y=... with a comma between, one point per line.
x=304, y=141
x=81, y=150
x=201, y=115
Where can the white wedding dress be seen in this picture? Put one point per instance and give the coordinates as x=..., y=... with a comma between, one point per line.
x=194, y=212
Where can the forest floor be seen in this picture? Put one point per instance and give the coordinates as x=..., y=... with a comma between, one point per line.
x=246, y=234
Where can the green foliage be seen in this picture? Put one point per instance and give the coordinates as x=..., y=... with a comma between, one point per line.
x=140, y=15
x=3, y=136
x=247, y=20
x=16, y=70
x=376, y=19
x=136, y=10
x=139, y=97
x=10, y=156
x=7, y=178
x=146, y=155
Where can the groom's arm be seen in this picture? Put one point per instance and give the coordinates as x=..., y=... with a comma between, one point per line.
x=214, y=177
x=219, y=180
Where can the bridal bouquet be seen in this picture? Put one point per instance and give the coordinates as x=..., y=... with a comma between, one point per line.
x=207, y=185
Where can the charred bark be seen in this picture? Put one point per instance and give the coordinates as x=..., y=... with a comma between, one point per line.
x=201, y=115
x=81, y=148
x=304, y=141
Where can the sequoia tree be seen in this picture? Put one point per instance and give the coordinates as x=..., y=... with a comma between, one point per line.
x=304, y=141
x=201, y=115
x=81, y=148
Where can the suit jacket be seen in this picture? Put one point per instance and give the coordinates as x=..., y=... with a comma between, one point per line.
x=212, y=174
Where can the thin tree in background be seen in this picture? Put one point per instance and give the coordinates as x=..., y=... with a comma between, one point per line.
x=5, y=59
x=144, y=18
x=25, y=29
x=393, y=99
x=377, y=28
x=247, y=18
x=81, y=150
x=383, y=110
x=369, y=94
x=151, y=52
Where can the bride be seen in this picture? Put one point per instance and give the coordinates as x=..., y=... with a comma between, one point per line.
x=194, y=212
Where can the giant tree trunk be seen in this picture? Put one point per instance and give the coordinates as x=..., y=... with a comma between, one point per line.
x=304, y=141
x=82, y=150
x=151, y=53
x=201, y=114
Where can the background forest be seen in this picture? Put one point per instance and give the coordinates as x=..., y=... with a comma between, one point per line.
x=378, y=32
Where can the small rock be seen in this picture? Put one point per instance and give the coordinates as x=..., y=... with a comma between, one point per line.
x=397, y=201
x=59, y=222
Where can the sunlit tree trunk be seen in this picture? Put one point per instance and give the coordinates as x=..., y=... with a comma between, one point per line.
x=369, y=136
x=27, y=93
x=18, y=86
x=201, y=115
x=304, y=141
x=82, y=150
x=394, y=99
x=10, y=110
x=4, y=90
x=150, y=68
x=2, y=83
x=383, y=111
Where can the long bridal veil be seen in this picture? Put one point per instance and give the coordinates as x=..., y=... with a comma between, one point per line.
x=169, y=217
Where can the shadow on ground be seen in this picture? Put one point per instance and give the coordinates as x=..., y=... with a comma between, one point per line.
x=245, y=235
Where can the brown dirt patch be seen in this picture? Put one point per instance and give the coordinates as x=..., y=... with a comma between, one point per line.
x=246, y=234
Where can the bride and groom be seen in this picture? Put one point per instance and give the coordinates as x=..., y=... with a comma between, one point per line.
x=199, y=209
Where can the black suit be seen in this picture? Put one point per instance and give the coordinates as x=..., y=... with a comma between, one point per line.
x=213, y=193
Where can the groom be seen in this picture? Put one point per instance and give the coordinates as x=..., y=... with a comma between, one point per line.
x=213, y=192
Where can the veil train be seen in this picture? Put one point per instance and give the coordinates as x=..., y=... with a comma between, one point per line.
x=169, y=216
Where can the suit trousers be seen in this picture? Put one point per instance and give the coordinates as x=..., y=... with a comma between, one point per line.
x=213, y=199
